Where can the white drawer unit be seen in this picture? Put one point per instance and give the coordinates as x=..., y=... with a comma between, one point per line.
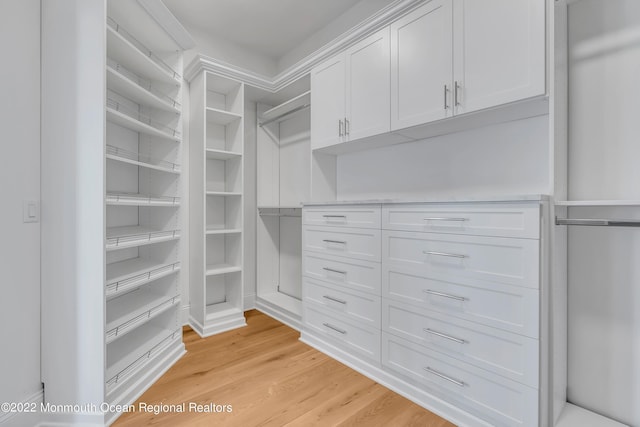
x=360, y=307
x=498, y=400
x=339, y=330
x=342, y=216
x=359, y=243
x=355, y=274
x=493, y=219
x=445, y=256
x=504, y=353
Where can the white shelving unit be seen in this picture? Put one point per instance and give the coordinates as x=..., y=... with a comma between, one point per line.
x=284, y=155
x=216, y=199
x=143, y=334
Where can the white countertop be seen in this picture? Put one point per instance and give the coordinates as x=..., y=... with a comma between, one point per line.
x=447, y=199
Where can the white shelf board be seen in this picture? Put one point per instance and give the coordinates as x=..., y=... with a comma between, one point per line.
x=596, y=203
x=223, y=309
x=129, y=274
x=221, y=117
x=137, y=126
x=124, y=52
x=134, y=309
x=287, y=107
x=211, y=231
x=175, y=170
x=126, y=351
x=221, y=154
x=137, y=199
x=575, y=416
x=223, y=193
x=283, y=301
x=126, y=87
x=136, y=235
x=218, y=269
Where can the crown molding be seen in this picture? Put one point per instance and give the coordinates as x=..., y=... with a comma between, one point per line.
x=273, y=84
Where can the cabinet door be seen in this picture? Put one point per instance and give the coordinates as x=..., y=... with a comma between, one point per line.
x=328, y=109
x=499, y=50
x=368, y=86
x=421, y=65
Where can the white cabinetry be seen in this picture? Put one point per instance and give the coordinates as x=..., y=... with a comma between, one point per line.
x=351, y=93
x=451, y=57
x=216, y=193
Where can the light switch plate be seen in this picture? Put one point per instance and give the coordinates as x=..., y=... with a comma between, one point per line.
x=30, y=211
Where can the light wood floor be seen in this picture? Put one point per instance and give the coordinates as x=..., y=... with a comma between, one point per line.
x=272, y=379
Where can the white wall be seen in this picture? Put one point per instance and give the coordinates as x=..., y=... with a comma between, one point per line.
x=20, y=177
x=250, y=203
x=503, y=159
x=604, y=148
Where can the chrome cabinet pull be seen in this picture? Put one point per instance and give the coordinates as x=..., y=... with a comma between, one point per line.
x=445, y=254
x=443, y=376
x=347, y=126
x=446, y=107
x=334, y=271
x=340, y=242
x=330, y=298
x=440, y=294
x=445, y=336
x=334, y=216
x=455, y=93
x=340, y=133
x=442, y=218
x=330, y=326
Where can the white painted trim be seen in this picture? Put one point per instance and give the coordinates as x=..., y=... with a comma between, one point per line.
x=249, y=302
x=274, y=84
x=21, y=418
x=184, y=315
x=169, y=23
x=281, y=315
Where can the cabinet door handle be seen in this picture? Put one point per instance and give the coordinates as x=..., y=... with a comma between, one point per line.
x=347, y=126
x=334, y=271
x=340, y=132
x=443, y=376
x=446, y=106
x=440, y=294
x=339, y=242
x=330, y=298
x=445, y=336
x=438, y=218
x=455, y=93
x=334, y=216
x=446, y=254
x=330, y=326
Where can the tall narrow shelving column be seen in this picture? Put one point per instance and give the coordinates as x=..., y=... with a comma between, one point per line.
x=216, y=192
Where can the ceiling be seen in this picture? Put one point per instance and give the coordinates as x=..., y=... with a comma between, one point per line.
x=270, y=28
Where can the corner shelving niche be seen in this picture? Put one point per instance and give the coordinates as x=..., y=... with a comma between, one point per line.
x=216, y=198
x=283, y=153
x=143, y=334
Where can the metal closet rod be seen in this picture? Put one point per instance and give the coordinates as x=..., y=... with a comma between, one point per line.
x=295, y=110
x=599, y=222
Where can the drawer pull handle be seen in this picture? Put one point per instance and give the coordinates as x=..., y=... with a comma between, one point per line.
x=440, y=294
x=440, y=218
x=445, y=336
x=445, y=254
x=339, y=242
x=334, y=271
x=330, y=326
x=330, y=298
x=335, y=216
x=444, y=377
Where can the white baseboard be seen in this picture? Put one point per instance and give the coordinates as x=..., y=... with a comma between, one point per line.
x=24, y=419
x=184, y=315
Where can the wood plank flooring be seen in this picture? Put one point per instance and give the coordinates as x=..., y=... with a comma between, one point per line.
x=270, y=378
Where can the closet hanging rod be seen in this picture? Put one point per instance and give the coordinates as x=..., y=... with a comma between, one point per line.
x=599, y=222
x=295, y=110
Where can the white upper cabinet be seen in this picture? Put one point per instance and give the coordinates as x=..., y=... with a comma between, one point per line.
x=351, y=93
x=450, y=57
x=499, y=52
x=422, y=65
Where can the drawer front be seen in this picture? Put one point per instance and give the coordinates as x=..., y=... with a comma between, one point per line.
x=499, y=220
x=447, y=256
x=342, y=216
x=342, y=332
x=500, y=401
x=360, y=275
x=504, y=353
x=357, y=306
x=358, y=243
x=510, y=308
